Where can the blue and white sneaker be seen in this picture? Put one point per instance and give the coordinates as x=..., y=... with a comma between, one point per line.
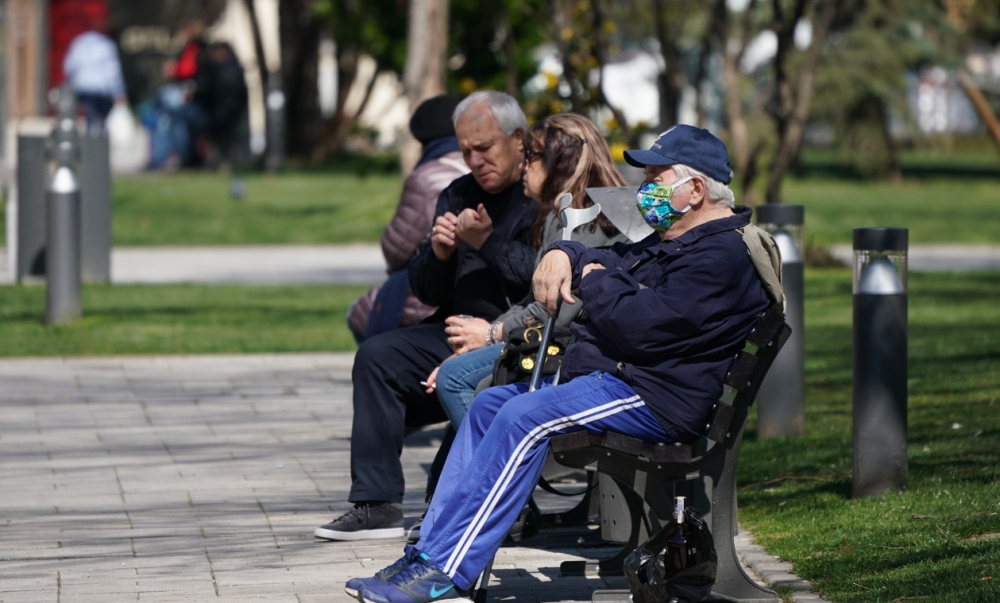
x=418, y=582
x=354, y=585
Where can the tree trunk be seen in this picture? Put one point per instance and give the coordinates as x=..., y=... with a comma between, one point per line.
x=601, y=55
x=334, y=132
x=792, y=122
x=561, y=31
x=258, y=47
x=423, y=76
x=511, y=83
x=672, y=79
x=743, y=159
x=301, y=33
x=891, y=149
x=258, y=44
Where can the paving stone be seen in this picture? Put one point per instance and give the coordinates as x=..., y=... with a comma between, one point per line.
x=202, y=478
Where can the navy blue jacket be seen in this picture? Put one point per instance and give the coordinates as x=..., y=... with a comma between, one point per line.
x=482, y=282
x=673, y=313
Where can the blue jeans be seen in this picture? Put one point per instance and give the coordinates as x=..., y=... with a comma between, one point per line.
x=458, y=377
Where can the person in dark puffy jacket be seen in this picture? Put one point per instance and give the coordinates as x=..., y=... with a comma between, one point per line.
x=440, y=163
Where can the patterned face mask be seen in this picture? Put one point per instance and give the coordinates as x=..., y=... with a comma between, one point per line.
x=653, y=201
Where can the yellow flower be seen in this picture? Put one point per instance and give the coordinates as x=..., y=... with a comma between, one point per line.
x=618, y=151
x=467, y=85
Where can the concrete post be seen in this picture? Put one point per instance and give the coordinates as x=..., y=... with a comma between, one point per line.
x=62, y=293
x=880, y=361
x=62, y=198
x=781, y=400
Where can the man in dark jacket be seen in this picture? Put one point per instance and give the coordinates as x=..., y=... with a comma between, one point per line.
x=661, y=320
x=477, y=259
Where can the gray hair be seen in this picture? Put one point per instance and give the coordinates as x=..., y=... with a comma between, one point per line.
x=505, y=109
x=717, y=193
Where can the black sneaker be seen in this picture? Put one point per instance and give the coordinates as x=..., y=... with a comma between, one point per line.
x=366, y=521
x=355, y=585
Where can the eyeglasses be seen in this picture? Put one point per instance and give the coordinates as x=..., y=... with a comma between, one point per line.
x=530, y=156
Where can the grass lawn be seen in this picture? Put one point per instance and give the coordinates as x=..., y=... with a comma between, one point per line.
x=939, y=539
x=322, y=207
x=291, y=208
x=180, y=319
x=943, y=199
x=939, y=210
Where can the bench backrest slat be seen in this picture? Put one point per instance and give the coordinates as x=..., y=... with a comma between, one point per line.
x=745, y=376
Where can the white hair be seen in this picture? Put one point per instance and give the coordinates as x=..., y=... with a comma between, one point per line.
x=506, y=111
x=717, y=193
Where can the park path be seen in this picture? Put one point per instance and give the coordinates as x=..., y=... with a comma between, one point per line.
x=201, y=478
x=363, y=264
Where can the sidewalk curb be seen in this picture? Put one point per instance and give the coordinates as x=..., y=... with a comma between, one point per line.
x=772, y=571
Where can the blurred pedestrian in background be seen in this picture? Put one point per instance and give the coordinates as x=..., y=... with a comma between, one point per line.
x=94, y=72
x=175, y=118
x=391, y=305
x=222, y=95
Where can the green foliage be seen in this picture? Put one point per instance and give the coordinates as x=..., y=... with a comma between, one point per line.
x=374, y=27
x=937, y=539
x=492, y=45
x=862, y=77
x=180, y=319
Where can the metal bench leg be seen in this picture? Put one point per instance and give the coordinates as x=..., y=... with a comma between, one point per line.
x=637, y=529
x=732, y=583
x=484, y=582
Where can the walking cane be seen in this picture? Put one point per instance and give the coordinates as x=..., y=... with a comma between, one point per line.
x=570, y=219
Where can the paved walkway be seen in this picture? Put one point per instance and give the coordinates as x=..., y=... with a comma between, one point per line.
x=363, y=263
x=258, y=264
x=201, y=478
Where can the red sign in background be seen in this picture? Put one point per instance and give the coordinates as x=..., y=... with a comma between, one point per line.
x=68, y=19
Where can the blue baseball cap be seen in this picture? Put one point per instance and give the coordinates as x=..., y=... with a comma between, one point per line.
x=694, y=147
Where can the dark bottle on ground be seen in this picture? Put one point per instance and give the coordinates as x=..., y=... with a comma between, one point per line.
x=682, y=550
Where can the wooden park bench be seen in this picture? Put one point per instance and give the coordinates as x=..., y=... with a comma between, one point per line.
x=638, y=481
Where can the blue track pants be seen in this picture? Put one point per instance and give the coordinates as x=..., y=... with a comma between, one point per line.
x=499, y=454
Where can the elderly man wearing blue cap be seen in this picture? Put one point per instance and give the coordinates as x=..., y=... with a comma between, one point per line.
x=661, y=320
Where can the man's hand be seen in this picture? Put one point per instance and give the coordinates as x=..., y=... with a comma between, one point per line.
x=474, y=226
x=590, y=268
x=553, y=279
x=466, y=334
x=443, y=238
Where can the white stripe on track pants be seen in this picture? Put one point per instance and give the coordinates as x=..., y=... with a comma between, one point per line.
x=499, y=454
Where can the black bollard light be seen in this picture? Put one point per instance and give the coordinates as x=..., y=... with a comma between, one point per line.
x=781, y=400
x=62, y=206
x=880, y=359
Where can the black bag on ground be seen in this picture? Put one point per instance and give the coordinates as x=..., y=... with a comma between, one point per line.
x=516, y=361
x=646, y=571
